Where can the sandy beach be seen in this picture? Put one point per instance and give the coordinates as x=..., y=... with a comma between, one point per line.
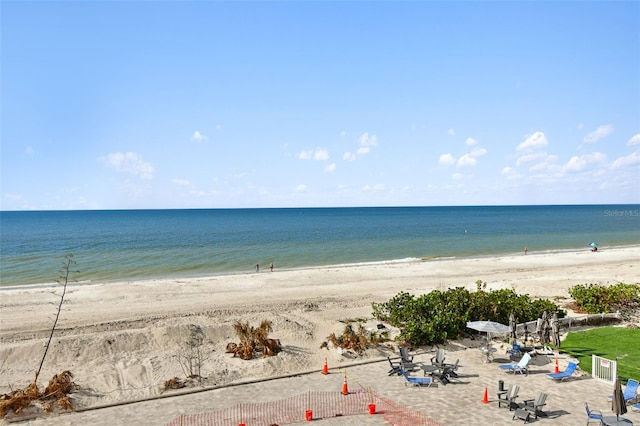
x=121, y=340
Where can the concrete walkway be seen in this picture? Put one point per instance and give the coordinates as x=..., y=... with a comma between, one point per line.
x=458, y=403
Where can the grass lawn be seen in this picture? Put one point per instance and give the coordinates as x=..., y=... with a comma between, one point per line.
x=615, y=343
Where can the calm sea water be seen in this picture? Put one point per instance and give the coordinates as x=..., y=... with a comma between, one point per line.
x=142, y=244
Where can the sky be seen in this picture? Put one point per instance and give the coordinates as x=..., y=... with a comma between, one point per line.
x=210, y=104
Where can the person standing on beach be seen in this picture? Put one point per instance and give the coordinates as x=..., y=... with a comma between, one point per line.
x=525, y=251
x=271, y=266
x=257, y=267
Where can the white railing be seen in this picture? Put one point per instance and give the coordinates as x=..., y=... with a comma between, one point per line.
x=603, y=369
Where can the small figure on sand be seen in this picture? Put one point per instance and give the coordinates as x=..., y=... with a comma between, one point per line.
x=271, y=266
x=525, y=251
x=257, y=267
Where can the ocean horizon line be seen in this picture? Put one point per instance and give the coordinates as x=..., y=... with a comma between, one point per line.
x=145, y=209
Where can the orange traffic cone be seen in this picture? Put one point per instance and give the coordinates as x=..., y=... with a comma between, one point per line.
x=325, y=369
x=485, y=398
x=557, y=369
x=345, y=389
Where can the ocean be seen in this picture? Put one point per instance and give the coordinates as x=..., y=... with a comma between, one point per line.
x=126, y=245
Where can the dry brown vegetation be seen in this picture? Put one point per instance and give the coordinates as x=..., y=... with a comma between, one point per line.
x=254, y=339
x=61, y=385
x=357, y=341
x=55, y=394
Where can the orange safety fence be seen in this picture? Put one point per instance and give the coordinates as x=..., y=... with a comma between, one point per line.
x=294, y=409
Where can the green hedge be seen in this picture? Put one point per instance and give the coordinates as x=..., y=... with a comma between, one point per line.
x=596, y=298
x=436, y=316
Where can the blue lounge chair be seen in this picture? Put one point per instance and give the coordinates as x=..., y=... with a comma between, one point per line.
x=521, y=367
x=630, y=391
x=593, y=415
x=563, y=375
x=417, y=381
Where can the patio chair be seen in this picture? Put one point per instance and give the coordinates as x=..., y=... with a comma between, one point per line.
x=451, y=369
x=508, y=397
x=396, y=367
x=563, y=375
x=438, y=358
x=593, y=416
x=416, y=381
x=446, y=372
x=534, y=406
x=406, y=359
x=630, y=391
x=404, y=354
x=521, y=367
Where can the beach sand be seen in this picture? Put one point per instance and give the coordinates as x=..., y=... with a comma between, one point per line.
x=122, y=341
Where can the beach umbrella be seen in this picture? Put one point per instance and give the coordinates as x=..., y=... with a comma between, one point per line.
x=512, y=327
x=555, y=330
x=593, y=244
x=489, y=327
x=618, y=405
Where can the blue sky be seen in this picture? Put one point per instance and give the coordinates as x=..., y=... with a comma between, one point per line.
x=118, y=105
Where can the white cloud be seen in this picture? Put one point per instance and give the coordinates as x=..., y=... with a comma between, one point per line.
x=579, y=163
x=629, y=160
x=600, y=133
x=478, y=152
x=534, y=141
x=471, y=142
x=306, y=155
x=466, y=160
x=349, y=156
x=128, y=162
x=330, y=168
x=198, y=137
x=446, y=159
x=319, y=154
x=182, y=182
x=366, y=140
x=635, y=140
x=301, y=187
x=457, y=176
x=510, y=173
x=526, y=158
x=376, y=187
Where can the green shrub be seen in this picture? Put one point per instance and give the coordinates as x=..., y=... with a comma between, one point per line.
x=596, y=298
x=437, y=316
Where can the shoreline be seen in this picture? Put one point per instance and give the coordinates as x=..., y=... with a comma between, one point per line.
x=408, y=260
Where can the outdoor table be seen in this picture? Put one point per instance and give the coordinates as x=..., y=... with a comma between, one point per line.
x=487, y=353
x=429, y=369
x=615, y=421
